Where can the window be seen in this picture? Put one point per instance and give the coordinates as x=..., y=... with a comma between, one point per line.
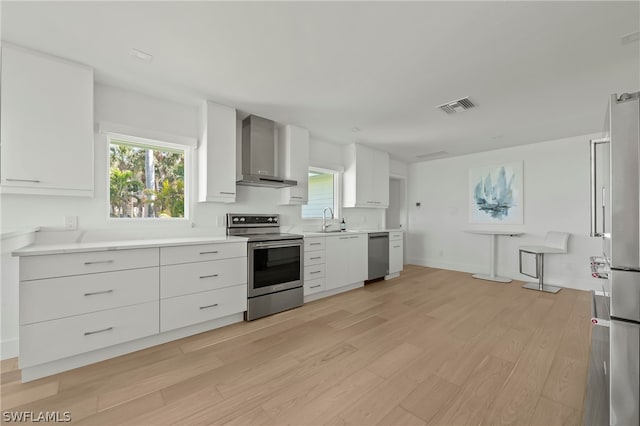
x=146, y=178
x=323, y=192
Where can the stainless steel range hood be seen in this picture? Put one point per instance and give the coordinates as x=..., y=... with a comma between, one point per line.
x=259, y=155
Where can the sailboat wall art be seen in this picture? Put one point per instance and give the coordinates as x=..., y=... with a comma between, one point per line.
x=495, y=194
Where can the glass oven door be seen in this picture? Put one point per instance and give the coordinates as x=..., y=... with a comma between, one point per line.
x=274, y=266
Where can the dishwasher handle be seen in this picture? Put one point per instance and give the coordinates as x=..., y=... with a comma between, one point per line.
x=378, y=235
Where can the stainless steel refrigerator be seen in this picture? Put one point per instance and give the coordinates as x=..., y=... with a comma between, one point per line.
x=616, y=218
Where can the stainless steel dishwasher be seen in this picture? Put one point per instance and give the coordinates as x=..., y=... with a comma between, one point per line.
x=378, y=255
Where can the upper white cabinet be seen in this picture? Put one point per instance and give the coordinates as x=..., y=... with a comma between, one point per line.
x=366, y=177
x=47, y=125
x=293, y=151
x=217, y=154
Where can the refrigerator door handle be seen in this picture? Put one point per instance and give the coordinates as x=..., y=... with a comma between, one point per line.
x=594, y=189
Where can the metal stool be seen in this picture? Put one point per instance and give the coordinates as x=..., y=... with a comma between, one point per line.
x=554, y=243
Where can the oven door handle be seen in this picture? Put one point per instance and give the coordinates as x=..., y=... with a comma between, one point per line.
x=289, y=243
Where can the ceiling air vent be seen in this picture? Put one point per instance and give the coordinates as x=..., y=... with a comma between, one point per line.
x=431, y=155
x=457, y=106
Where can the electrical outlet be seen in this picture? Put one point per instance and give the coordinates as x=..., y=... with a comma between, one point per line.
x=71, y=222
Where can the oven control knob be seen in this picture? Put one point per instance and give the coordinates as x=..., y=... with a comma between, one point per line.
x=270, y=219
x=275, y=219
x=235, y=219
x=242, y=219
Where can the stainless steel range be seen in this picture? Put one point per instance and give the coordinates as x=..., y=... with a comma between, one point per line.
x=275, y=264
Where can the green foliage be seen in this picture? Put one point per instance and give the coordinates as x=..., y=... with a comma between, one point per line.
x=128, y=194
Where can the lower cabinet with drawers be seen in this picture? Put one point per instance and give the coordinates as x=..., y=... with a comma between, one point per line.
x=314, y=266
x=82, y=307
x=193, y=290
x=334, y=264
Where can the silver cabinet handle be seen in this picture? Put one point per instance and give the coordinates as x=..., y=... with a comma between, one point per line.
x=22, y=180
x=314, y=258
x=396, y=246
x=208, y=276
x=96, y=262
x=374, y=202
x=315, y=272
x=209, y=306
x=88, y=333
x=227, y=193
x=209, y=252
x=315, y=286
x=296, y=197
x=314, y=244
x=355, y=236
x=98, y=292
x=344, y=238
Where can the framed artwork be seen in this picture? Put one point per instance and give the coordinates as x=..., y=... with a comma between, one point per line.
x=495, y=194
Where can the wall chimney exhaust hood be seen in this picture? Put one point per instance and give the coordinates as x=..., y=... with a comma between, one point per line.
x=259, y=155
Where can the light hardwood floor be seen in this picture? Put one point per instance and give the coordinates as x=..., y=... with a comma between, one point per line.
x=430, y=347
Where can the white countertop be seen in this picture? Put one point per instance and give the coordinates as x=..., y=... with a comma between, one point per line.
x=16, y=232
x=348, y=231
x=42, y=249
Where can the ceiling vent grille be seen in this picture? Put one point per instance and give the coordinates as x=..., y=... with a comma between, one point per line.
x=457, y=106
x=430, y=155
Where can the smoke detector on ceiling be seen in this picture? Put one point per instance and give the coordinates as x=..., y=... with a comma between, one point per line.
x=457, y=106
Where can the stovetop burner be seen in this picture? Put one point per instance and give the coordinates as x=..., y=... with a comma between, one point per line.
x=257, y=227
x=270, y=237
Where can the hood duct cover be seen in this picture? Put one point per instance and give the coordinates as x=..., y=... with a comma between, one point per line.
x=259, y=154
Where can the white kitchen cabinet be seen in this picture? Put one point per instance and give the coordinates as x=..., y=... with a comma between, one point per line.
x=80, y=305
x=194, y=292
x=366, y=177
x=346, y=260
x=47, y=125
x=182, y=311
x=47, y=341
x=314, y=265
x=293, y=151
x=217, y=154
x=396, y=253
x=78, y=302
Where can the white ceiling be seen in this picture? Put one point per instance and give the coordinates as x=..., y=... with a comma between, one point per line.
x=536, y=70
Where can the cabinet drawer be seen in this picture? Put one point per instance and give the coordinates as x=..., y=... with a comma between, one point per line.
x=314, y=243
x=50, y=340
x=61, y=265
x=53, y=298
x=178, y=280
x=314, y=271
x=393, y=236
x=313, y=257
x=191, y=309
x=313, y=286
x=201, y=252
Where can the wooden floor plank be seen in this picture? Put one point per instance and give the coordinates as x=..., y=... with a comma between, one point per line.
x=430, y=347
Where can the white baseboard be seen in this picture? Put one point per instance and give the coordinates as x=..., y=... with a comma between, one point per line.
x=9, y=348
x=450, y=266
x=332, y=292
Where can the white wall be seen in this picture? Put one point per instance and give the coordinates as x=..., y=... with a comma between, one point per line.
x=556, y=197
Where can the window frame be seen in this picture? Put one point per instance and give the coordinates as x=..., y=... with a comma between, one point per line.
x=158, y=145
x=337, y=190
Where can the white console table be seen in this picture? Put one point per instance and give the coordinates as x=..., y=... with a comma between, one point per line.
x=492, y=254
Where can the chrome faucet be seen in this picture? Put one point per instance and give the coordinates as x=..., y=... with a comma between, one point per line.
x=324, y=218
